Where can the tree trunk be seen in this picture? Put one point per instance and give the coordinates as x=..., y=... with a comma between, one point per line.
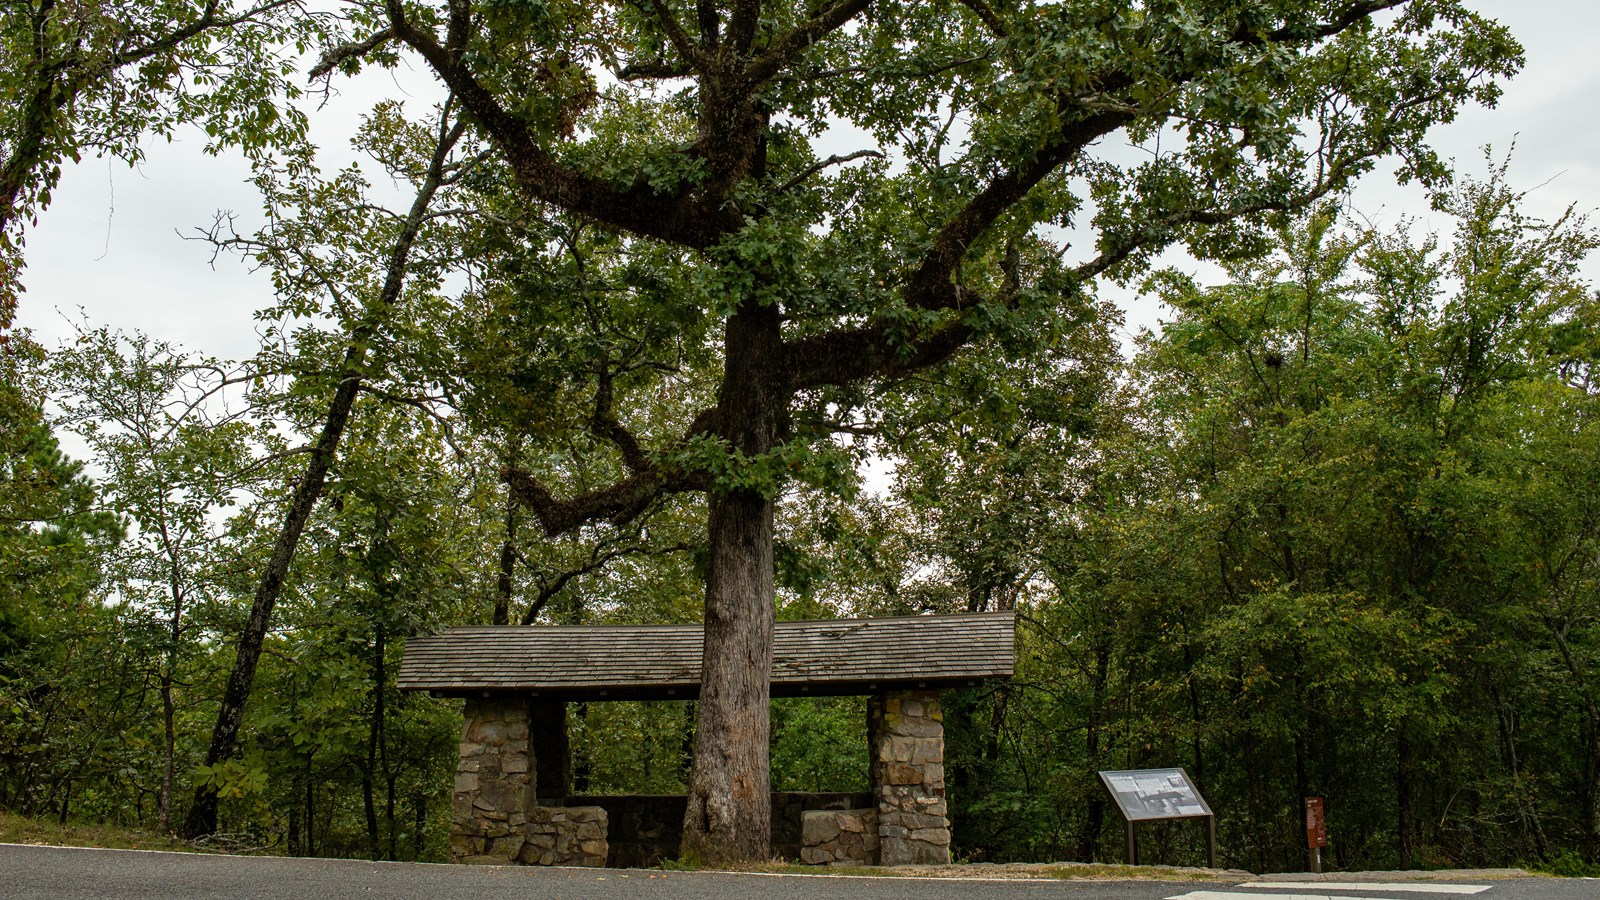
x=505, y=585
x=1094, y=822
x=419, y=840
x=508, y=560
x=374, y=737
x=47, y=93
x=168, y=754
x=1252, y=772
x=296, y=845
x=389, y=812
x=202, y=818
x=1402, y=794
x=169, y=675
x=311, y=808
x=728, y=819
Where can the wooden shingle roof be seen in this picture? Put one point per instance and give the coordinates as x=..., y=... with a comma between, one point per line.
x=616, y=662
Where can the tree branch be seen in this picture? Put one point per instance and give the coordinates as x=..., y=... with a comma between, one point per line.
x=658, y=68
x=680, y=39
x=597, y=560
x=987, y=15
x=620, y=502
x=605, y=424
x=830, y=161
x=850, y=355
x=334, y=57
x=930, y=287
x=785, y=49
x=639, y=208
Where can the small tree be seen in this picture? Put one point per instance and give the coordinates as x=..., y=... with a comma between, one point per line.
x=174, y=457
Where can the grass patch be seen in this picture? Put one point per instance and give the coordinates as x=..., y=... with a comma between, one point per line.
x=1115, y=872
x=1568, y=865
x=15, y=829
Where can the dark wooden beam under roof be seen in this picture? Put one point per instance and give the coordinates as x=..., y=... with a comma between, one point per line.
x=662, y=662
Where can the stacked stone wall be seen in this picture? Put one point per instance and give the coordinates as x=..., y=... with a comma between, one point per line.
x=565, y=836
x=840, y=837
x=908, y=777
x=646, y=829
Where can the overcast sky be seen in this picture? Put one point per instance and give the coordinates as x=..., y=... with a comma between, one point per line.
x=111, y=243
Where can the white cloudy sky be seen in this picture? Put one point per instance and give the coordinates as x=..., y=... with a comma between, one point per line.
x=110, y=245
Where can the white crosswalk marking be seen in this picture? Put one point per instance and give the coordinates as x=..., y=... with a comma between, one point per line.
x=1225, y=895
x=1398, y=887
x=1259, y=890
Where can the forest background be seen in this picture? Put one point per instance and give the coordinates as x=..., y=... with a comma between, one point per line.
x=1329, y=532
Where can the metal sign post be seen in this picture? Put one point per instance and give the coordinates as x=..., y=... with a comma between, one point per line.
x=1316, y=833
x=1145, y=795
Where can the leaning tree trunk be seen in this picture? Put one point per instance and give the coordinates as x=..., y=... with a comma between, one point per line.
x=202, y=818
x=729, y=817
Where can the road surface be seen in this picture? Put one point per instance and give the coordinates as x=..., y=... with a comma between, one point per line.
x=59, y=873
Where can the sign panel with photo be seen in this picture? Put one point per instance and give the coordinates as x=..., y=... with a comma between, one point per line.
x=1146, y=794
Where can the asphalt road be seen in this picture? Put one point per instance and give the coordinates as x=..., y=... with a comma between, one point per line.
x=56, y=873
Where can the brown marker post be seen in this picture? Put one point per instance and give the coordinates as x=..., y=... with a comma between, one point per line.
x=1316, y=833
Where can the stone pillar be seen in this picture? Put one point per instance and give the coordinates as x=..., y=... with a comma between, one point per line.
x=493, y=789
x=552, y=756
x=907, y=733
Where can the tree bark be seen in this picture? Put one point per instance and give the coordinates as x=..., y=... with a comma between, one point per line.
x=1094, y=821
x=168, y=755
x=505, y=585
x=419, y=804
x=169, y=676
x=374, y=740
x=728, y=819
x=311, y=806
x=1402, y=794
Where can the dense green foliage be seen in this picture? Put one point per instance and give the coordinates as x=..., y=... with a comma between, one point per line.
x=1340, y=542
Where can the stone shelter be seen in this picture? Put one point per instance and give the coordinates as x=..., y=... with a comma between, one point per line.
x=513, y=799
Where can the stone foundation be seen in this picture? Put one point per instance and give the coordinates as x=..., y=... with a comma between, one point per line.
x=840, y=837
x=492, y=793
x=646, y=829
x=565, y=836
x=906, y=729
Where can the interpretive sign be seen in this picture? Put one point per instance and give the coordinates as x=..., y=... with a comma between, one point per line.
x=1316, y=834
x=1146, y=794
x=1316, y=824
